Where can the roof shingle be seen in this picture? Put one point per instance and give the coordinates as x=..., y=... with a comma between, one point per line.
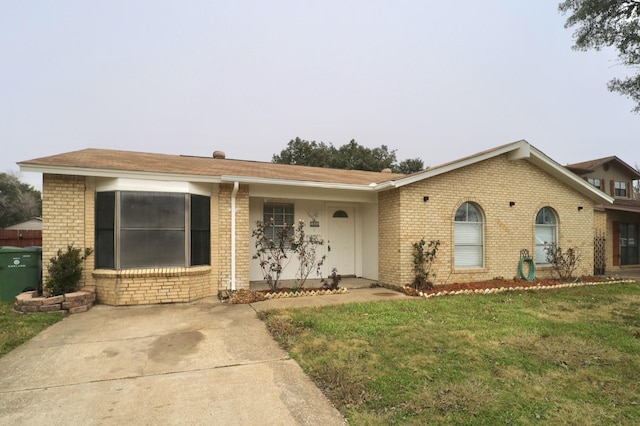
x=103, y=159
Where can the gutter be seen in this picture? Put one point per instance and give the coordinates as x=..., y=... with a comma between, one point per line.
x=233, y=235
x=298, y=183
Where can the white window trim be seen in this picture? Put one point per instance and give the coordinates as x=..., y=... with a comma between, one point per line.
x=543, y=262
x=482, y=245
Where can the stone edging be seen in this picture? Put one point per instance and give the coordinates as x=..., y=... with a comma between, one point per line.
x=304, y=293
x=73, y=303
x=534, y=287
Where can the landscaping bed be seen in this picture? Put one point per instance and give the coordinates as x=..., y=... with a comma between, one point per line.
x=244, y=296
x=498, y=285
x=72, y=303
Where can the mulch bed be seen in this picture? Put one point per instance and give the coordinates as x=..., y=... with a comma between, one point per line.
x=493, y=284
x=244, y=296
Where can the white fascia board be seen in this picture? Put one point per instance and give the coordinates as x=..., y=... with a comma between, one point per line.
x=291, y=182
x=111, y=173
x=302, y=193
x=520, y=150
x=539, y=159
x=128, y=174
x=149, y=185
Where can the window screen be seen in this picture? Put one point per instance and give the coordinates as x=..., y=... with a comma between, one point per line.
x=200, y=230
x=105, y=230
x=152, y=229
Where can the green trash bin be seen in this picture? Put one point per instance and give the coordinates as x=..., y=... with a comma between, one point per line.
x=20, y=270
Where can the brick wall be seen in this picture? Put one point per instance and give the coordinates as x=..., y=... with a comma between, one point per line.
x=64, y=207
x=243, y=235
x=89, y=234
x=68, y=208
x=151, y=286
x=491, y=184
x=389, y=240
x=214, y=276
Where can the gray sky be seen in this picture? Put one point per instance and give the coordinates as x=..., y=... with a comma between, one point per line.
x=432, y=79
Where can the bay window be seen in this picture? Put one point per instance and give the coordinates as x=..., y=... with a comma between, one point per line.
x=137, y=229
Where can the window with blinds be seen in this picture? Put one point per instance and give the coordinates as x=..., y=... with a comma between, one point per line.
x=546, y=233
x=469, y=237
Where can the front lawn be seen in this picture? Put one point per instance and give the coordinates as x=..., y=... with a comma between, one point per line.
x=16, y=329
x=565, y=356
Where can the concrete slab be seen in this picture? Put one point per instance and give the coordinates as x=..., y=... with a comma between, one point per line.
x=198, y=363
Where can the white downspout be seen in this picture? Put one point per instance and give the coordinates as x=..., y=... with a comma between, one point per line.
x=233, y=235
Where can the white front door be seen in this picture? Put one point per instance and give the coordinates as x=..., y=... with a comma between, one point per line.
x=342, y=240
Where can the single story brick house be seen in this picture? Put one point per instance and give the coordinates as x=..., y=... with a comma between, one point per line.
x=168, y=228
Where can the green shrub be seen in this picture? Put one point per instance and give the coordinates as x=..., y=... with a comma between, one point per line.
x=65, y=271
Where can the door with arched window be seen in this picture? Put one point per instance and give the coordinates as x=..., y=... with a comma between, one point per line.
x=469, y=236
x=342, y=240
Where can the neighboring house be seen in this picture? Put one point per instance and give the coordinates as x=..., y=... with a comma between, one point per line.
x=24, y=234
x=33, y=224
x=620, y=221
x=169, y=228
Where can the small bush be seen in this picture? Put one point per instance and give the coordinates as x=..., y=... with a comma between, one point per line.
x=423, y=259
x=65, y=271
x=564, y=263
x=275, y=247
x=306, y=249
x=272, y=246
x=333, y=281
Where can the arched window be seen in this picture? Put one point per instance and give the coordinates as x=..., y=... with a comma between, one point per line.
x=468, y=237
x=546, y=232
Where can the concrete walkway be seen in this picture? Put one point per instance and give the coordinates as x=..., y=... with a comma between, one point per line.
x=196, y=363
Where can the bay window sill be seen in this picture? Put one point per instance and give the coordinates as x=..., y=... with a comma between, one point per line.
x=152, y=272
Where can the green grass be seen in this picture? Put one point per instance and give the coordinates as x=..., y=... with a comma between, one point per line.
x=15, y=329
x=567, y=356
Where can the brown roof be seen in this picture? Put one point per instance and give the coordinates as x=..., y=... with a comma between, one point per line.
x=112, y=160
x=591, y=165
x=626, y=205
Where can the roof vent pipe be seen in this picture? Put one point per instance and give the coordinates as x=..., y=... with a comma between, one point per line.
x=219, y=155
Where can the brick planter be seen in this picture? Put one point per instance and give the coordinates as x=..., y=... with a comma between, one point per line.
x=73, y=303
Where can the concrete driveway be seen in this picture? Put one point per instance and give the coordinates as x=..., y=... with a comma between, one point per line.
x=197, y=363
